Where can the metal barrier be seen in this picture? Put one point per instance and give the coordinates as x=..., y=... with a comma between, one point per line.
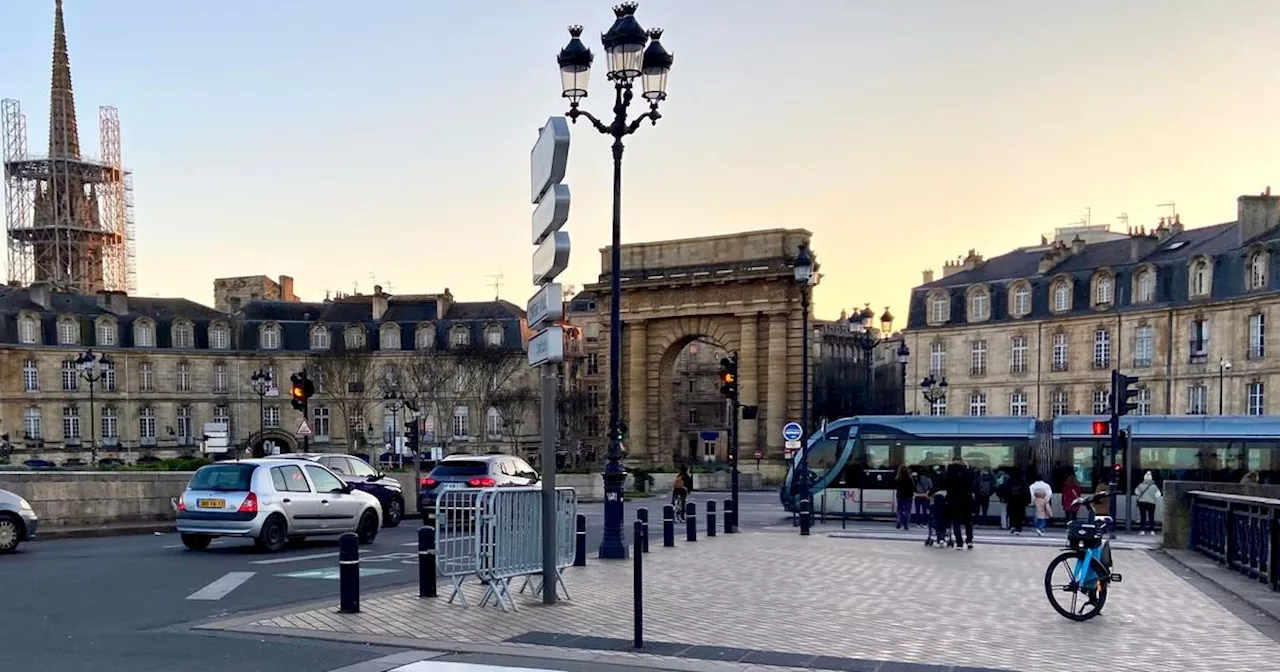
x=1239, y=531
x=457, y=518
x=566, y=542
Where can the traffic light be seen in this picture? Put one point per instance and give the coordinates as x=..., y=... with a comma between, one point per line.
x=300, y=390
x=729, y=377
x=411, y=428
x=1122, y=393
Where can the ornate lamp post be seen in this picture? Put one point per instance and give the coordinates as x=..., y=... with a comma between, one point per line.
x=391, y=400
x=802, y=268
x=93, y=368
x=867, y=342
x=628, y=59
x=261, y=382
x=934, y=390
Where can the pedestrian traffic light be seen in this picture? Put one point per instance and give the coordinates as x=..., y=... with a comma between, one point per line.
x=1121, y=394
x=729, y=377
x=1101, y=428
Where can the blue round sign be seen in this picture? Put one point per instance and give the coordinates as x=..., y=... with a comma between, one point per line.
x=792, y=431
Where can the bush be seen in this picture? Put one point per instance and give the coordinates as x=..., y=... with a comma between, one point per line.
x=173, y=464
x=641, y=480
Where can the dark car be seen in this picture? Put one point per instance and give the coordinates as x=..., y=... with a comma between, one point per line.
x=359, y=475
x=472, y=471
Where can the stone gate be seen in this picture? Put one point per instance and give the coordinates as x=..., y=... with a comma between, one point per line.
x=736, y=291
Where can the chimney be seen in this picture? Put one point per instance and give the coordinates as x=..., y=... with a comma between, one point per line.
x=379, y=303
x=118, y=302
x=286, y=289
x=1256, y=215
x=1077, y=245
x=1142, y=245
x=41, y=294
x=928, y=276
x=103, y=297
x=443, y=303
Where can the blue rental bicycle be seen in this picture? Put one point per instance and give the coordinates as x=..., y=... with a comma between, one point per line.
x=1083, y=570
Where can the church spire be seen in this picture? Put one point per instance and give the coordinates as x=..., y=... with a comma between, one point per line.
x=64, y=137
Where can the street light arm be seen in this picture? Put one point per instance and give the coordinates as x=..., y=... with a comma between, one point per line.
x=653, y=115
x=575, y=112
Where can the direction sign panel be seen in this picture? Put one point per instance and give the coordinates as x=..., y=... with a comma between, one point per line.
x=551, y=258
x=552, y=212
x=792, y=445
x=547, y=347
x=550, y=156
x=303, y=429
x=792, y=431
x=546, y=306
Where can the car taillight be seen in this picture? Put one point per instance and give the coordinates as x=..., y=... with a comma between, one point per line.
x=250, y=504
x=484, y=482
x=182, y=506
x=429, y=482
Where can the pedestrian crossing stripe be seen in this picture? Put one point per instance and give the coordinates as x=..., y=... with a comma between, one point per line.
x=332, y=573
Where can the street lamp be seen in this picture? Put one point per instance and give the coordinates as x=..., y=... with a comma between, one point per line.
x=628, y=58
x=867, y=342
x=261, y=382
x=934, y=390
x=1224, y=365
x=802, y=267
x=391, y=401
x=93, y=368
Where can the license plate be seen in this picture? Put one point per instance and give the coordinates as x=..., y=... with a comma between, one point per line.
x=211, y=503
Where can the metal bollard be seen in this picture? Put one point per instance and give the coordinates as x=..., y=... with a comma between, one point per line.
x=642, y=514
x=668, y=526
x=580, y=551
x=729, y=526
x=844, y=511
x=637, y=574
x=349, y=573
x=806, y=517
x=711, y=518
x=690, y=522
x=426, y=562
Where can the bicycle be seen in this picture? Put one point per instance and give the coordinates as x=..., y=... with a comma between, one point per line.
x=678, y=501
x=1090, y=575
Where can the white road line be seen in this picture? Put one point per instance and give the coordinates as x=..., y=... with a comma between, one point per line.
x=222, y=587
x=332, y=555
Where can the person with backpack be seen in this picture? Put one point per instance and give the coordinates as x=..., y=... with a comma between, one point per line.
x=983, y=488
x=904, y=494
x=959, y=484
x=924, y=485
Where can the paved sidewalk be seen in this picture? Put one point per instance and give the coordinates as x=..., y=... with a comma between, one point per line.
x=821, y=602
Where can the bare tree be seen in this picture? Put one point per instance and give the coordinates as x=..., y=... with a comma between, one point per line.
x=572, y=409
x=347, y=377
x=515, y=405
x=423, y=379
x=487, y=371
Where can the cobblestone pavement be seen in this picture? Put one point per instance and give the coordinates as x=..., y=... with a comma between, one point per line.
x=852, y=598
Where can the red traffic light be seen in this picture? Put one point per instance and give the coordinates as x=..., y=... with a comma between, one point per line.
x=1101, y=428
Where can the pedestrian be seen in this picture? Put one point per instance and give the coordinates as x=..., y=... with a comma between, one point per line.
x=1042, y=500
x=905, y=493
x=1102, y=504
x=680, y=491
x=1148, y=494
x=924, y=485
x=983, y=489
x=937, y=511
x=1002, y=494
x=1071, y=491
x=1017, y=501
x=959, y=484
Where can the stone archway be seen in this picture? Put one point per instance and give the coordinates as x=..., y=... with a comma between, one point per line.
x=258, y=440
x=668, y=444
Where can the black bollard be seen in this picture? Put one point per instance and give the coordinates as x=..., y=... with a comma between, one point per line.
x=642, y=514
x=638, y=582
x=690, y=522
x=349, y=573
x=806, y=517
x=426, y=562
x=580, y=551
x=844, y=509
x=711, y=518
x=668, y=526
x=729, y=526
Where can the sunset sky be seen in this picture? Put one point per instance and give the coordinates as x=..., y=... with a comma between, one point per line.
x=333, y=140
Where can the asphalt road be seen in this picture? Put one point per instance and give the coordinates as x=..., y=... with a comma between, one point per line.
x=112, y=604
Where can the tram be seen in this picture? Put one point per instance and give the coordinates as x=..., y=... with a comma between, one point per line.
x=852, y=461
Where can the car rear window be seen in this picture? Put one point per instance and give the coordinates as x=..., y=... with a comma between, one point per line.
x=460, y=468
x=228, y=477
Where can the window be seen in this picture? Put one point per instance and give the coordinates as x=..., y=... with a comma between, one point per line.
x=143, y=335
x=1146, y=286
x=68, y=332
x=1200, y=278
x=593, y=364
x=110, y=425
x=1258, y=270
x=1143, y=401
x=146, y=377
x=354, y=337
x=593, y=398
x=1059, y=403
x=1199, y=341
x=1101, y=349
x=320, y=422
x=27, y=331
x=979, y=305
x=1257, y=336
x=184, y=425
x=287, y=479
x=1021, y=300
x=389, y=337
x=220, y=378
x=592, y=332
x=693, y=416
x=1061, y=296
x=183, y=335
x=493, y=336
x=30, y=376
x=938, y=407
x=319, y=337
x=108, y=373
x=1197, y=399
x=493, y=423
x=459, y=337
x=219, y=337
x=425, y=337
x=184, y=377
x=147, y=425
x=324, y=480
x=977, y=403
x=428, y=427
x=106, y=332
x=1103, y=291
x=1018, y=355
x=70, y=376
x=271, y=417
x=359, y=469
x=1100, y=402
x=71, y=423
x=978, y=358
x=939, y=308
x=269, y=337
x=937, y=359
x=32, y=427
x=1060, y=353
x=1256, y=399
x=338, y=465
x=1017, y=403
x=222, y=414
x=1143, y=345
x=460, y=424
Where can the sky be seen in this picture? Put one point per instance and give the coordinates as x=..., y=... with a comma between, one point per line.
x=346, y=143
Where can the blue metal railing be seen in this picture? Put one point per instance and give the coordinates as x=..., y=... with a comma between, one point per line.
x=1240, y=532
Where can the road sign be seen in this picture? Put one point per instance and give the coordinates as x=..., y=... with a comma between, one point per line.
x=792, y=431
x=546, y=306
x=550, y=156
x=552, y=212
x=547, y=347
x=303, y=428
x=793, y=445
x=759, y=454
x=551, y=258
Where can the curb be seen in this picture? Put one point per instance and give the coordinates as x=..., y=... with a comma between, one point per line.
x=1268, y=610
x=46, y=533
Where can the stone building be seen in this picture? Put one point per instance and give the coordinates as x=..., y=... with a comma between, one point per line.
x=176, y=365
x=697, y=404
x=231, y=293
x=1036, y=331
x=842, y=366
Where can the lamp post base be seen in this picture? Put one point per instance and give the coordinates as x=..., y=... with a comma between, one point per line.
x=612, y=545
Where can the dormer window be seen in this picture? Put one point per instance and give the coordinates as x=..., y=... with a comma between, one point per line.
x=1020, y=299
x=493, y=336
x=144, y=335
x=320, y=337
x=1061, y=296
x=425, y=337
x=1201, y=278
x=68, y=331
x=979, y=305
x=219, y=336
x=1144, y=290
x=354, y=337
x=1104, y=290
x=28, y=330
x=183, y=335
x=1257, y=270
x=389, y=337
x=459, y=336
x=939, y=307
x=107, y=332
x=269, y=337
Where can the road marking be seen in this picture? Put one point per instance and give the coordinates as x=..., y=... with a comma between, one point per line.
x=332, y=555
x=214, y=543
x=332, y=573
x=222, y=587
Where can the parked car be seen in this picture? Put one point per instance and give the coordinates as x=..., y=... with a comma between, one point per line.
x=18, y=521
x=273, y=501
x=361, y=476
x=472, y=471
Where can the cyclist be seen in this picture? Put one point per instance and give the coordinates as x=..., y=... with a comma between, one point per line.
x=680, y=492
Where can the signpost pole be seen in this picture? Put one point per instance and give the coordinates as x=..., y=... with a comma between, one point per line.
x=549, y=382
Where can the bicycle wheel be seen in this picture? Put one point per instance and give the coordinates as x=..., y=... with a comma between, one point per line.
x=1086, y=600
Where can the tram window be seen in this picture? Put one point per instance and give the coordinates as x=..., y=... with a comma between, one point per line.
x=991, y=456
x=1198, y=461
x=878, y=455
x=825, y=454
x=1264, y=458
x=929, y=455
x=1082, y=465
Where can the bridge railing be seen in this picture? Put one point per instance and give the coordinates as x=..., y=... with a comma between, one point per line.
x=1239, y=531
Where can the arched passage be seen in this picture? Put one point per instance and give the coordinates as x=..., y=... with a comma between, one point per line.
x=692, y=420
x=258, y=442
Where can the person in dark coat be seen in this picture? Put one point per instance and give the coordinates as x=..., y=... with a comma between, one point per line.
x=1017, y=501
x=959, y=483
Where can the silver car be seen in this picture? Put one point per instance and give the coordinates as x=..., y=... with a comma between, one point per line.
x=18, y=522
x=273, y=501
